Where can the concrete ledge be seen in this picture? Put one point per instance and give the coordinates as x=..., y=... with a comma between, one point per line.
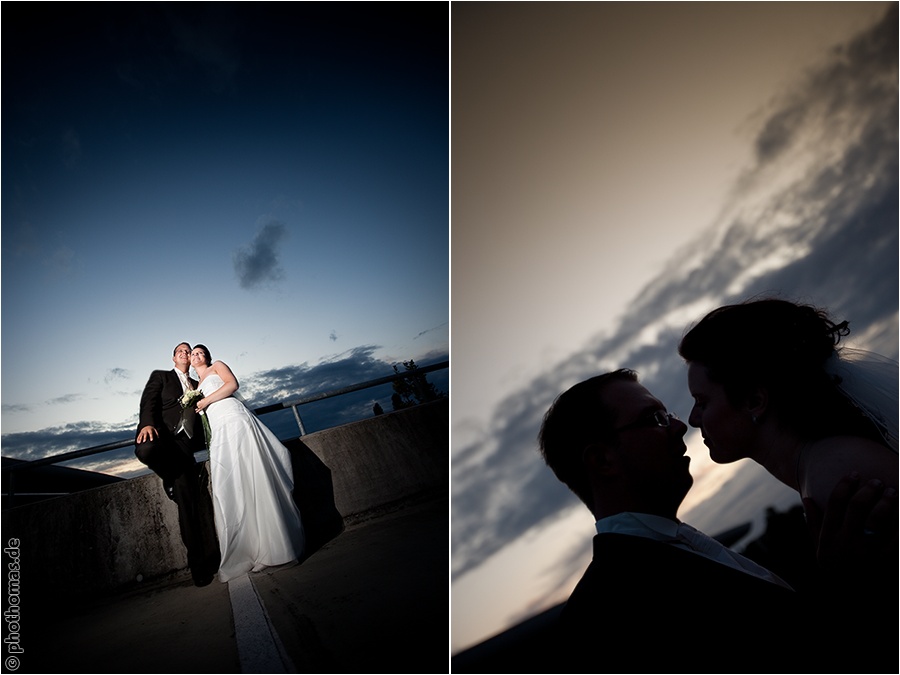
x=386, y=458
x=102, y=539
x=99, y=539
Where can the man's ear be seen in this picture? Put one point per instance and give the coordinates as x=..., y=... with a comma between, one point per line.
x=599, y=459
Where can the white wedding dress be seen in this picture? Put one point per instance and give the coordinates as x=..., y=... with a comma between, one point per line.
x=250, y=471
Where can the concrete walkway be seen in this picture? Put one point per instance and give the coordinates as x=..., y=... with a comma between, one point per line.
x=372, y=600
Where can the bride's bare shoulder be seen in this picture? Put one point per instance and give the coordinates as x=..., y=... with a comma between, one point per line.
x=222, y=368
x=835, y=457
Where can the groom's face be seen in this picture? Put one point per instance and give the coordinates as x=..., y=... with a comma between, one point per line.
x=182, y=356
x=650, y=459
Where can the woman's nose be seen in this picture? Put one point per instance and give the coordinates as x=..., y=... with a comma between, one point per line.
x=694, y=418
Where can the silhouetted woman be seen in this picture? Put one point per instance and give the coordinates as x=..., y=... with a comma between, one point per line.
x=771, y=383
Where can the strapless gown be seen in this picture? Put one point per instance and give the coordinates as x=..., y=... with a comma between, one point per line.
x=250, y=471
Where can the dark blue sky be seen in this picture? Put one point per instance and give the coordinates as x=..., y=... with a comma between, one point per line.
x=270, y=179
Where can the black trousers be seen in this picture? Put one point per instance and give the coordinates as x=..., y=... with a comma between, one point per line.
x=173, y=461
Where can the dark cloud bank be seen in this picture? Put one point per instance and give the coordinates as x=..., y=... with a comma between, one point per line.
x=288, y=383
x=839, y=250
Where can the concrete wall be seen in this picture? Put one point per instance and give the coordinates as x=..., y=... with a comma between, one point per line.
x=102, y=539
x=387, y=458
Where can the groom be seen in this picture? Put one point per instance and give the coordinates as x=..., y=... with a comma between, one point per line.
x=169, y=452
x=656, y=589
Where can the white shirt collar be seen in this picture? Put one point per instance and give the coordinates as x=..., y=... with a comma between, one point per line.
x=638, y=524
x=682, y=535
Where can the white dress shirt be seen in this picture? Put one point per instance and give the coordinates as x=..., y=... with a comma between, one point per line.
x=685, y=537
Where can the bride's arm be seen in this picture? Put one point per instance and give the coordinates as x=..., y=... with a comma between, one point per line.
x=226, y=390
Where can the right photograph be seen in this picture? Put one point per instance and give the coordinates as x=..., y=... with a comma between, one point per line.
x=674, y=282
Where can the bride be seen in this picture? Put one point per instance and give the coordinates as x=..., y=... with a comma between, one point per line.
x=256, y=518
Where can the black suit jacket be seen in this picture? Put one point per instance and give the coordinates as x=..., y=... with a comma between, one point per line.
x=646, y=606
x=161, y=408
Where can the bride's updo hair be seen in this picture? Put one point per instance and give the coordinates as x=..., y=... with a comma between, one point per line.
x=781, y=346
x=206, y=356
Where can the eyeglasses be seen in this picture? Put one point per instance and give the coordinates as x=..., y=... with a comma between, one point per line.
x=659, y=418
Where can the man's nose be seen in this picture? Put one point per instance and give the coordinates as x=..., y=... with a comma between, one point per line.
x=678, y=426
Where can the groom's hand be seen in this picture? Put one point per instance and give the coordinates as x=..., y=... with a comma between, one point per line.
x=148, y=433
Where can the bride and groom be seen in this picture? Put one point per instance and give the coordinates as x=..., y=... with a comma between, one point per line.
x=251, y=509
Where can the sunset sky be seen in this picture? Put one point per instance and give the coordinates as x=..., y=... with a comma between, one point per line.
x=269, y=179
x=618, y=170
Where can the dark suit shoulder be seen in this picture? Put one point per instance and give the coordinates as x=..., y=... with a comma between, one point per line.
x=637, y=587
x=658, y=563
x=636, y=574
x=159, y=375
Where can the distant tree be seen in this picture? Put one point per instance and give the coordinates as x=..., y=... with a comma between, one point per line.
x=412, y=389
x=377, y=409
x=397, y=402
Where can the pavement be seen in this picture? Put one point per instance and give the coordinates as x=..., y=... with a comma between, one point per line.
x=374, y=599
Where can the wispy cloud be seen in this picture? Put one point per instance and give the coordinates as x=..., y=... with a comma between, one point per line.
x=64, y=400
x=257, y=264
x=114, y=374
x=71, y=148
x=815, y=219
x=429, y=330
x=207, y=38
x=62, y=262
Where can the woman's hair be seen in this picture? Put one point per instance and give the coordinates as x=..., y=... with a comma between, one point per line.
x=206, y=354
x=576, y=419
x=781, y=346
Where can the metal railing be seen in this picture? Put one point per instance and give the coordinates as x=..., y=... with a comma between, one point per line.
x=293, y=405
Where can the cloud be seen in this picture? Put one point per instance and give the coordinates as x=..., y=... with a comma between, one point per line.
x=858, y=77
x=63, y=400
x=208, y=39
x=31, y=445
x=71, y=146
x=429, y=330
x=114, y=374
x=257, y=264
x=62, y=262
x=815, y=219
x=25, y=239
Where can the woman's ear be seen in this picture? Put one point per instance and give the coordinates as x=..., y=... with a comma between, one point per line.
x=758, y=403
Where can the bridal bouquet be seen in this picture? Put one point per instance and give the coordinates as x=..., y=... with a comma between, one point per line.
x=188, y=409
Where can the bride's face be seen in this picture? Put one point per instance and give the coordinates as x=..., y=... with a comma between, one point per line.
x=197, y=358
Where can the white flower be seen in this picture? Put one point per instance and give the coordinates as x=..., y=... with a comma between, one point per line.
x=190, y=397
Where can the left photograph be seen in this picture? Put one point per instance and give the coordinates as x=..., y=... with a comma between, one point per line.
x=226, y=344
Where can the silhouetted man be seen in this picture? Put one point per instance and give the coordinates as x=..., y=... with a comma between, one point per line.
x=169, y=451
x=659, y=596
